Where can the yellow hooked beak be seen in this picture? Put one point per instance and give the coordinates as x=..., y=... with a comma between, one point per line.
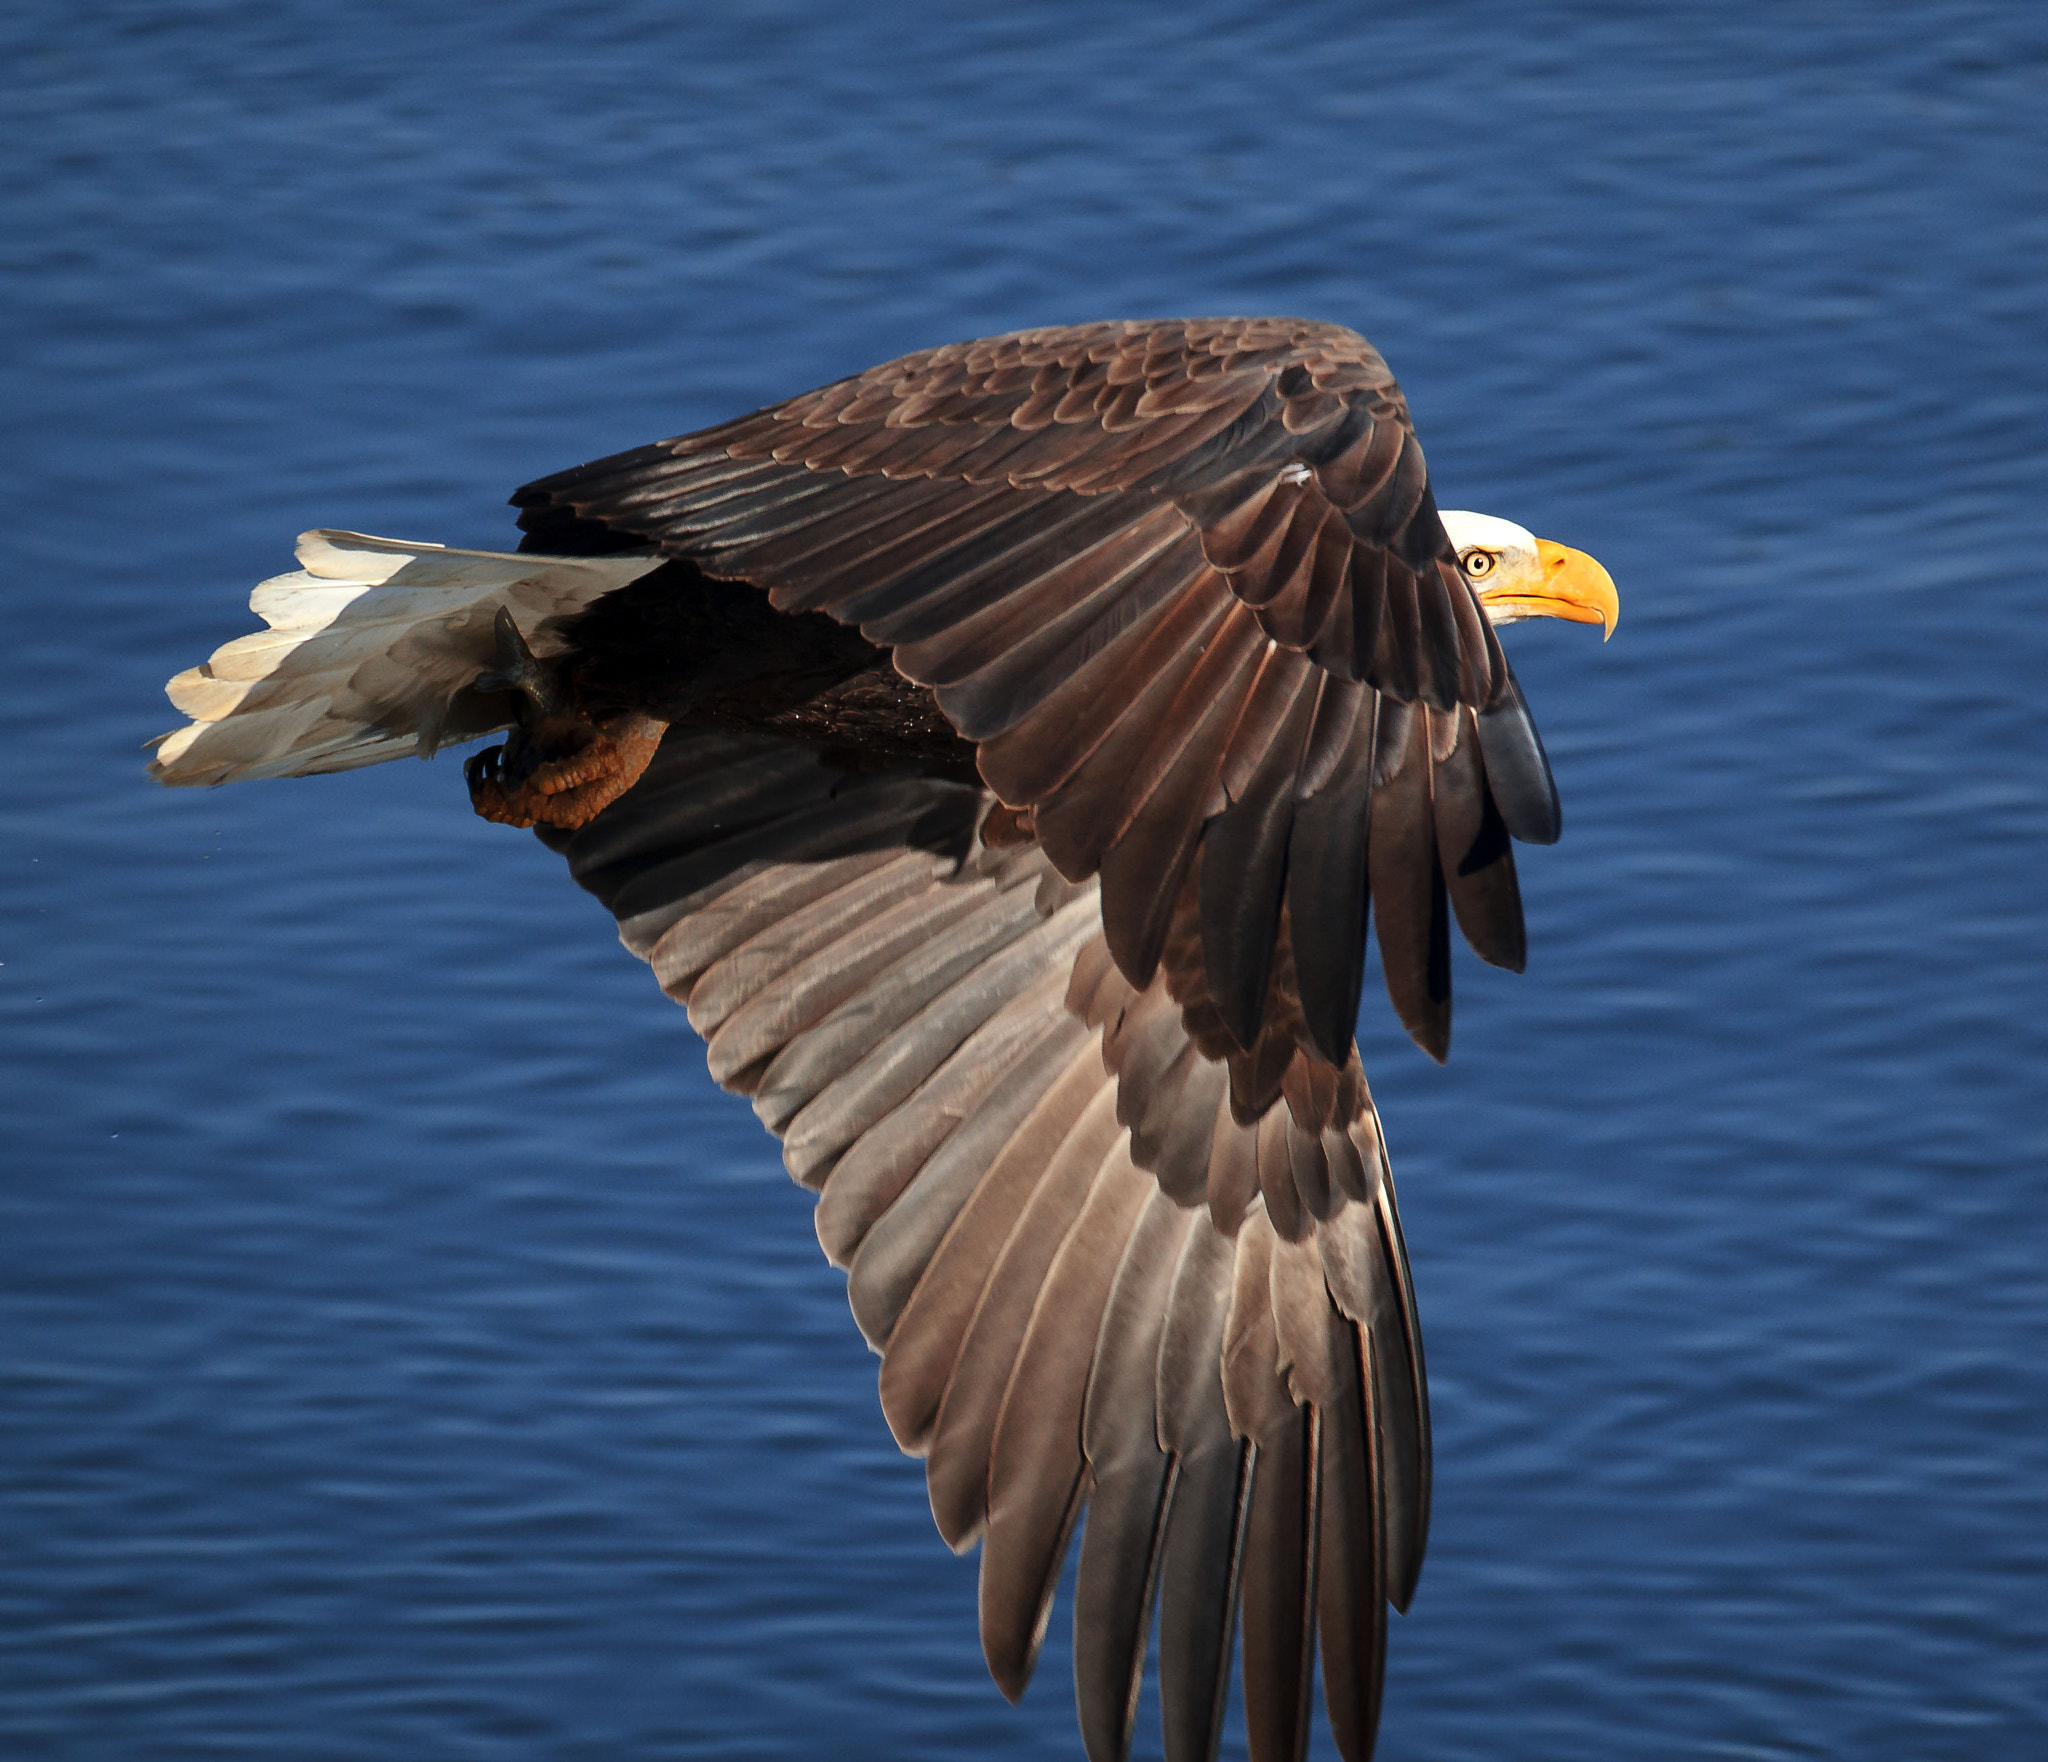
x=1569, y=585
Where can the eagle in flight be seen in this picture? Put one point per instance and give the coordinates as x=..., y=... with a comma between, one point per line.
x=1000, y=754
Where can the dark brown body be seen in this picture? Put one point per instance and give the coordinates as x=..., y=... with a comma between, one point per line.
x=695, y=652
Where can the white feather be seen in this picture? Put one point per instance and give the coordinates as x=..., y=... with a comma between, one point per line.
x=370, y=652
x=1487, y=530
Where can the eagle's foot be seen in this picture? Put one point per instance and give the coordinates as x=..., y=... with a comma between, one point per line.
x=562, y=765
x=594, y=764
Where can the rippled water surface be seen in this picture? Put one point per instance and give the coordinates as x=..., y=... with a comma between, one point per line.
x=409, y=1353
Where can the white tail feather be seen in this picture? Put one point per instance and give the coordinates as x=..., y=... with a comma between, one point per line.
x=371, y=650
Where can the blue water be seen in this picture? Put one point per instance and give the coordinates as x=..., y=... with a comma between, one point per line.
x=408, y=1353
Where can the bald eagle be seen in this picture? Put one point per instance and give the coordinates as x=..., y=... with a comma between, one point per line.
x=1001, y=755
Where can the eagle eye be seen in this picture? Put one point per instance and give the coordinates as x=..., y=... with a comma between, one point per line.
x=1476, y=563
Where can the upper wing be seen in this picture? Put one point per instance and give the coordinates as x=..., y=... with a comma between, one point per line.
x=1176, y=580
x=1089, y=1280
x=1283, y=447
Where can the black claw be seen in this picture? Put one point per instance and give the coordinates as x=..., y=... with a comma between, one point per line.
x=516, y=759
x=518, y=670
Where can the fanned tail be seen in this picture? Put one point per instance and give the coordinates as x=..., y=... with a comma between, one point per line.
x=372, y=653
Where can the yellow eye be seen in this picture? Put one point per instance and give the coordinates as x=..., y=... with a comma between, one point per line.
x=1478, y=563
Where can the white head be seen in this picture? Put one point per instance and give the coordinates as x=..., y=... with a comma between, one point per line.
x=1518, y=575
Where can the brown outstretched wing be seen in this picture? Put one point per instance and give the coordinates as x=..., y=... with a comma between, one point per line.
x=1183, y=583
x=1090, y=1281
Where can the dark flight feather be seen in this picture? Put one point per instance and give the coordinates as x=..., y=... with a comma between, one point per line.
x=1131, y=1480
x=1035, y=1460
x=1407, y=881
x=1474, y=852
x=1517, y=768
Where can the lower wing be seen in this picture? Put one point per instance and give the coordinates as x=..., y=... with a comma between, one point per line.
x=1095, y=1275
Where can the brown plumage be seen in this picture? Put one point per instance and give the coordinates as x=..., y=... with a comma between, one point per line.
x=1043, y=716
